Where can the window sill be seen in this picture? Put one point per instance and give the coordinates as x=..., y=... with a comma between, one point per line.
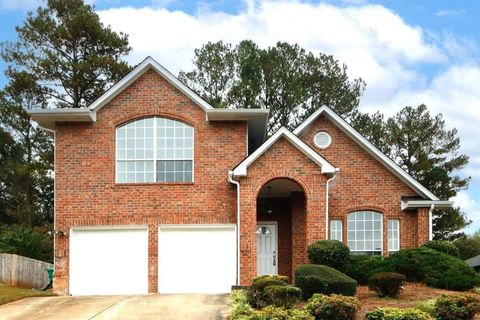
x=148, y=184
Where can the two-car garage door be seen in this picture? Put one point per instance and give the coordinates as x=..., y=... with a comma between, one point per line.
x=191, y=259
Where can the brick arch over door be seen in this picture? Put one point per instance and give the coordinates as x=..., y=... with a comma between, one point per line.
x=282, y=160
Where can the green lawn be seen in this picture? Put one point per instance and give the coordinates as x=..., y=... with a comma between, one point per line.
x=9, y=294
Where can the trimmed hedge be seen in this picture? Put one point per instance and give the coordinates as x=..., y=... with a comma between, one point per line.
x=443, y=246
x=332, y=253
x=455, y=307
x=386, y=284
x=397, y=314
x=436, y=269
x=333, y=307
x=283, y=296
x=256, y=295
x=314, y=278
x=362, y=267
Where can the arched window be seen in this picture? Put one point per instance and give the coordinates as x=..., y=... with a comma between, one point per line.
x=365, y=233
x=154, y=150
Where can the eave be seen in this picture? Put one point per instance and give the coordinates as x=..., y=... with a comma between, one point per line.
x=415, y=204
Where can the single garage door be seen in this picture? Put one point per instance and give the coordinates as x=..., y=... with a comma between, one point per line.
x=196, y=259
x=109, y=261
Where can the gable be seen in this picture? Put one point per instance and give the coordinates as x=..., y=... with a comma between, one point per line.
x=366, y=146
x=326, y=167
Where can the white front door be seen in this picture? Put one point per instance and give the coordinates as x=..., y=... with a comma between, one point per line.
x=267, y=249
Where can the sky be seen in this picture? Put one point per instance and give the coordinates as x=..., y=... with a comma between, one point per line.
x=408, y=51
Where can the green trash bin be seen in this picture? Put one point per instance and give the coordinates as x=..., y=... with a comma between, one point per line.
x=50, y=272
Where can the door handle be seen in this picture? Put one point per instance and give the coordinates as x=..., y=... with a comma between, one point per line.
x=274, y=258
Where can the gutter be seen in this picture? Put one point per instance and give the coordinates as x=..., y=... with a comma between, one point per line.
x=231, y=180
x=327, y=224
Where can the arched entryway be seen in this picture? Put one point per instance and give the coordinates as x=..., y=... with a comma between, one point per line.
x=281, y=227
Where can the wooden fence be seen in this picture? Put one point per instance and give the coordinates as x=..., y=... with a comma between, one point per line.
x=23, y=272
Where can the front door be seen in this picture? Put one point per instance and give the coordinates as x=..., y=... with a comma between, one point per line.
x=267, y=249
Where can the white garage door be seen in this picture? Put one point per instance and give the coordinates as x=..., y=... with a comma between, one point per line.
x=109, y=261
x=196, y=259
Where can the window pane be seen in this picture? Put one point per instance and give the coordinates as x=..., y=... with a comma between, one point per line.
x=167, y=142
x=393, y=235
x=336, y=230
x=364, y=232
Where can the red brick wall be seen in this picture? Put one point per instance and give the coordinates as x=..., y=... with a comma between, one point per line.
x=86, y=192
x=363, y=183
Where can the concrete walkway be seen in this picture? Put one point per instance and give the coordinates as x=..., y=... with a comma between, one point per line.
x=153, y=306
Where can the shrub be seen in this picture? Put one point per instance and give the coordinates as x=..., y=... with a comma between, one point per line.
x=436, y=269
x=386, y=284
x=443, y=246
x=283, y=296
x=427, y=307
x=454, y=307
x=332, y=253
x=274, y=313
x=397, y=314
x=476, y=290
x=333, y=307
x=314, y=278
x=362, y=267
x=240, y=307
x=256, y=295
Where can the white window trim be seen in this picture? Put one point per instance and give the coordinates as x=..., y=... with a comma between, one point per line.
x=341, y=229
x=154, y=153
x=381, y=232
x=398, y=238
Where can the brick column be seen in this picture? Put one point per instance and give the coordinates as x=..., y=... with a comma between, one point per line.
x=423, y=225
x=153, y=258
x=299, y=231
x=248, y=238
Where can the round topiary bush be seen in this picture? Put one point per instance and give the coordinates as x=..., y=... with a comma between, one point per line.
x=316, y=278
x=332, y=307
x=386, y=284
x=436, y=269
x=332, y=253
x=443, y=246
x=256, y=295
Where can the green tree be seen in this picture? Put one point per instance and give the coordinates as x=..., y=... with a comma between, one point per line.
x=286, y=79
x=423, y=146
x=67, y=52
x=469, y=246
x=27, y=242
x=30, y=182
x=10, y=155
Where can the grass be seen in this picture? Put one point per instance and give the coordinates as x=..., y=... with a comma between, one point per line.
x=9, y=294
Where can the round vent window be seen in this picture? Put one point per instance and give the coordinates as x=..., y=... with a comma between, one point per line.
x=322, y=139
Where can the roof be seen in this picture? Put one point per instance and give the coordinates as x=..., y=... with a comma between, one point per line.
x=326, y=167
x=368, y=147
x=473, y=262
x=256, y=118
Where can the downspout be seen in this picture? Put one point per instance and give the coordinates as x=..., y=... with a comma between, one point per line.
x=430, y=222
x=231, y=180
x=326, y=204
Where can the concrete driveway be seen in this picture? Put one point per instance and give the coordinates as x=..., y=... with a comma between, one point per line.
x=153, y=306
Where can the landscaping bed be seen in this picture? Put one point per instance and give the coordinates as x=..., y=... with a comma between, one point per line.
x=411, y=295
x=10, y=294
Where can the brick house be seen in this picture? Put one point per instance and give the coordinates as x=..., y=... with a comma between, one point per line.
x=156, y=191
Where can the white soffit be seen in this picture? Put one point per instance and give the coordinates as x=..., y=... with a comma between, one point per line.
x=367, y=146
x=326, y=167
